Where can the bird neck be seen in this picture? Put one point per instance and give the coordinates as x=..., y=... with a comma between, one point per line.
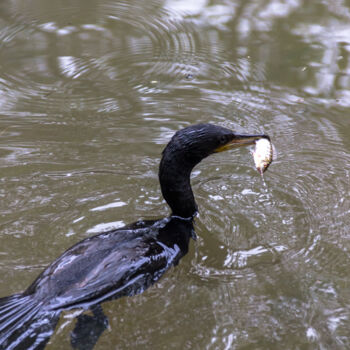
x=174, y=177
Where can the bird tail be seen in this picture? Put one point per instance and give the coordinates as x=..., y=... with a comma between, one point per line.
x=24, y=323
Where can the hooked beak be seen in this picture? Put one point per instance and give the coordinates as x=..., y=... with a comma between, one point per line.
x=241, y=140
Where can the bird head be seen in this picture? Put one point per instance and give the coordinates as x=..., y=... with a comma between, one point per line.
x=196, y=142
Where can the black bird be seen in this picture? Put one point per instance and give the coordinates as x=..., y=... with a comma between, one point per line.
x=121, y=262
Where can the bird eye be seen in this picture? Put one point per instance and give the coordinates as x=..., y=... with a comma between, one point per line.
x=223, y=139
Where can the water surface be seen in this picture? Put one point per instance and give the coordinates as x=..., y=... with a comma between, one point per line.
x=91, y=91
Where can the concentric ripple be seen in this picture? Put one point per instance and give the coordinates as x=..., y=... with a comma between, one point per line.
x=91, y=91
x=78, y=64
x=258, y=222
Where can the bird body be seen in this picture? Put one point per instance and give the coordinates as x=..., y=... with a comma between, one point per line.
x=121, y=262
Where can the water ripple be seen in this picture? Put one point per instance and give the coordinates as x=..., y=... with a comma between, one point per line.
x=283, y=221
x=157, y=46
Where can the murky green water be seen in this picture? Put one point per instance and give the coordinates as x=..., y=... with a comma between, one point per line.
x=91, y=91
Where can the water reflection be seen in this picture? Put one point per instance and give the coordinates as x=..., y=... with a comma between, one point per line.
x=153, y=44
x=91, y=91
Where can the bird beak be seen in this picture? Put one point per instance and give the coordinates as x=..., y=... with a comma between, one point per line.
x=241, y=140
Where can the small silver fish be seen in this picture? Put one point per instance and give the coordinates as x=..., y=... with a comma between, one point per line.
x=263, y=154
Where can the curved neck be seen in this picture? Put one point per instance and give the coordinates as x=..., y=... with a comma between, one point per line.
x=174, y=177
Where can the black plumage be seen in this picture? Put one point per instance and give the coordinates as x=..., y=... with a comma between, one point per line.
x=120, y=262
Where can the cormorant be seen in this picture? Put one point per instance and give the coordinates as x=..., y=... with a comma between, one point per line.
x=121, y=262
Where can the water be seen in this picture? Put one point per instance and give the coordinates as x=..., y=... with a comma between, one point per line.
x=91, y=91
